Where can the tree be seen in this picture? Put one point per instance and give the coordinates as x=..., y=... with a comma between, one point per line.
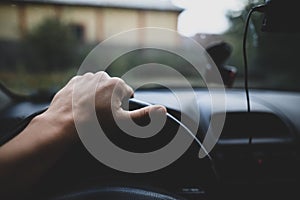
x=50, y=46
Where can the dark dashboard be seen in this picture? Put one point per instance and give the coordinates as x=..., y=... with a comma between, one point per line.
x=260, y=146
x=256, y=151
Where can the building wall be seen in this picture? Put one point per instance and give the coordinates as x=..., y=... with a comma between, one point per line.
x=98, y=23
x=161, y=20
x=9, y=22
x=83, y=16
x=35, y=14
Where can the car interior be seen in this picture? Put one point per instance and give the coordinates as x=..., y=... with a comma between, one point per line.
x=256, y=155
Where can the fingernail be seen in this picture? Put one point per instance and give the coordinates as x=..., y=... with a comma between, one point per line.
x=159, y=110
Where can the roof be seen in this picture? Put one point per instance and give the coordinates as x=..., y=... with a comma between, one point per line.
x=129, y=4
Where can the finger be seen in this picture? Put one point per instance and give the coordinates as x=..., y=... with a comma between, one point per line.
x=142, y=116
x=73, y=80
x=128, y=92
x=121, y=93
x=121, y=89
x=102, y=75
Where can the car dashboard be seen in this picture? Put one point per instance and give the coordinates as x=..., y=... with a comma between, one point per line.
x=256, y=155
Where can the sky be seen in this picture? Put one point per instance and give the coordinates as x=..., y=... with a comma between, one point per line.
x=206, y=16
x=198, y=16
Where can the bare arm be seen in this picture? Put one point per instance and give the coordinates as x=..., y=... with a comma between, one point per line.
x=25, y=158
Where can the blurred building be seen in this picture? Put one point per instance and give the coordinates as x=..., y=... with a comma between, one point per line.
x=91, y=20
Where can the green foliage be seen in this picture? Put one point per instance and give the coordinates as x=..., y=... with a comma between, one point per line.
x=50, y=46
x=145, y=56
x=272, y=57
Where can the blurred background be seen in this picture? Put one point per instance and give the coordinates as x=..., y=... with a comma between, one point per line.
x=43, y=43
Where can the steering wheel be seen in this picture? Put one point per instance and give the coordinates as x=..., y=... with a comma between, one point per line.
x=118, y=193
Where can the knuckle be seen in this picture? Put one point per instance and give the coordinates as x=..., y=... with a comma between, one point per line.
x=102, y=75
x=117, y=81
x=88, y=74
x=74, y=78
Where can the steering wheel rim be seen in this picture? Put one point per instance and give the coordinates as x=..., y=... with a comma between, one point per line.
x=117, y=193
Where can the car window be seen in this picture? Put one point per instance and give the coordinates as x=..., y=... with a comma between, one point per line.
x=43, y=43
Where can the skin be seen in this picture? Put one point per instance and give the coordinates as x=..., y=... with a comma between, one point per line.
x=25, y=158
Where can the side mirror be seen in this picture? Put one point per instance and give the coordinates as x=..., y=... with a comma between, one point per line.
x=220, y=53
x=228, y=74
x=281, y=16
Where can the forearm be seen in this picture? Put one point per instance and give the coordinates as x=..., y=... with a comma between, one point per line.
x=26, y=157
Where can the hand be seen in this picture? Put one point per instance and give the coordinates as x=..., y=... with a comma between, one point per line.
x=28, y=156
x=106, y=93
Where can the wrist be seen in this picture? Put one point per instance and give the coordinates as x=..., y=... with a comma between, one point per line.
x=58, y=126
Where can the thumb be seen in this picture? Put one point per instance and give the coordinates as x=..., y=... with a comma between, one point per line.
x=142, y=116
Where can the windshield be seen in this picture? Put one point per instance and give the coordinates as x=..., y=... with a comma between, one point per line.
x=43, y=43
